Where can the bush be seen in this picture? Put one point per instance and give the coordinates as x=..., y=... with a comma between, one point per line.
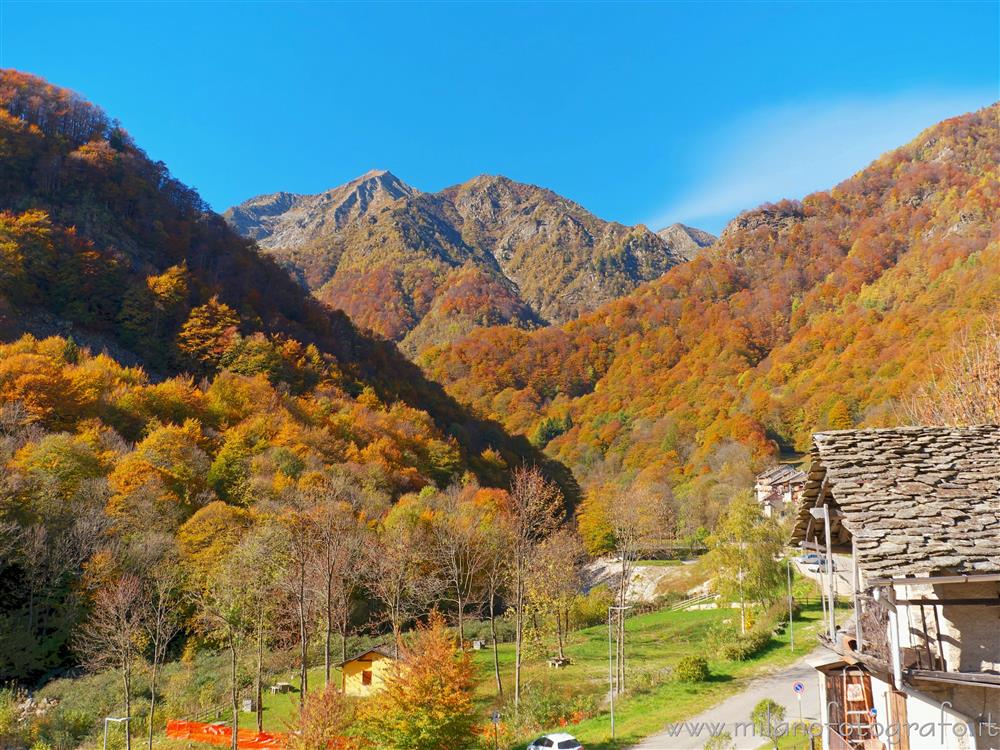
x=745, y=646
x=767, y=717
x=691, y=669
x=592, y=608
x=543, y=707
x=479, y=630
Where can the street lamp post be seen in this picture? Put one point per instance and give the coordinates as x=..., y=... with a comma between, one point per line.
x=611, y=668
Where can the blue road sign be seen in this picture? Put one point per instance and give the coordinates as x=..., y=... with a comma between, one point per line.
x=798, y=687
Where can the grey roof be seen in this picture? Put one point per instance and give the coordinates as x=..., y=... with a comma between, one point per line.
x=782, y=473
x=917, y=500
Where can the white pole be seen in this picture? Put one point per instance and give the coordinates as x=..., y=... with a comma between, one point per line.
x=611, y=678
x=791, y=625
x=829, y=572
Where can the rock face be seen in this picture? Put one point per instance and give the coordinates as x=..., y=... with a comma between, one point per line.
x=426, y=268
x=290, y=220
x=686, y=240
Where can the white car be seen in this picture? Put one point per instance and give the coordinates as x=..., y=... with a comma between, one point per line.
x=556, y=742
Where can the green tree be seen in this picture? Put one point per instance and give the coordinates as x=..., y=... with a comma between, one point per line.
x=767, y=717
x=743, y=551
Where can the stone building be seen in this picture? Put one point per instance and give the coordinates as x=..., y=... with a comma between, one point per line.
x=779, y=488
x=916, y=665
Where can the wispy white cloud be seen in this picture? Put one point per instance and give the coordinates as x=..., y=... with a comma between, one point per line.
x=791, y=150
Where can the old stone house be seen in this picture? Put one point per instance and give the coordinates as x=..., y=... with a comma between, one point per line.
x=779, y=488
x=916, y=665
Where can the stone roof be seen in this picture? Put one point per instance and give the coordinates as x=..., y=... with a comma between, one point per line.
x=916, y=500
x=781, y=473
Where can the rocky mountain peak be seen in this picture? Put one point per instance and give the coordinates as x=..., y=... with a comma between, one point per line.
x=291, y=219
x=685, y=240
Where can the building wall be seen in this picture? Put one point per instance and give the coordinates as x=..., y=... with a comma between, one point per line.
x=353, y=682
x=969, y=634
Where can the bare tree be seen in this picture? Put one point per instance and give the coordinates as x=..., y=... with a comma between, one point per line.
x=336, y=568
x=965, y=386
x=301, y=529
x=496, y=575
x=554, y=580
x=638, y=516
x=112, y=637
x=226, y=615
x=535, y=504
x=459, y=548
x=161, y=622
x=400, y=577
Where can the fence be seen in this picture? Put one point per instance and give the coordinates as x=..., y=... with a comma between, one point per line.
x=216, y=734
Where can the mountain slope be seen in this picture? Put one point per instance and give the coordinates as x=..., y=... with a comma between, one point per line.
x=686, y=240
x=100, y=243
x=424, y=268
x=804, y=315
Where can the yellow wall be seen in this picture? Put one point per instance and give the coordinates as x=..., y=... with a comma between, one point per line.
x=379, y=666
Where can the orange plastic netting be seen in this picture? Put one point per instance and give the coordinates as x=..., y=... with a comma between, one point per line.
x=215, y=734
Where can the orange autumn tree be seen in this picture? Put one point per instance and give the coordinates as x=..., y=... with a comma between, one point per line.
x=426, y=703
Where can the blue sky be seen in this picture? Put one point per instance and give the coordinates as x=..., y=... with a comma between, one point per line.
x=653, y=113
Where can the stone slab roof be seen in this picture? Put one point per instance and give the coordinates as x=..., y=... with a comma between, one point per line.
x=917, y=500
x=781, y=473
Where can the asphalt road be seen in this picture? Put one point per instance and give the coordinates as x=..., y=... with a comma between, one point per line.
x=693, y=734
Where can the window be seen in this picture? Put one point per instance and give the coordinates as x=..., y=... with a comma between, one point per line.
x=542, y=742
x=568, y=745
x=366, y=677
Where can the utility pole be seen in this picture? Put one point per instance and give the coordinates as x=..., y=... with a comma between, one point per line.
x=791, y=624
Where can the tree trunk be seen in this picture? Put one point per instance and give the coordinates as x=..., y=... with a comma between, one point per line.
x=127, y=680
x=518, y=636
x=152, y=701
x=235, y=695
x=304, y=652
x=259, y=682
x=328, y=642
x=496, y=656
x=461, y=624
x=559, y=631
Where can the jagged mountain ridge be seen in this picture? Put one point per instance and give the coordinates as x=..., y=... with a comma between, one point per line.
x=426, y=268
x=805, y=315
x=686, y=240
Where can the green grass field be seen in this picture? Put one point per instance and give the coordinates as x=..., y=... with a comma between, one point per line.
x=655, y=642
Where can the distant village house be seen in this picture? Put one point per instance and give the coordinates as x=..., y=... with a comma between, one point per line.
x=365, y=673
x=779, y=488
x=918, y=511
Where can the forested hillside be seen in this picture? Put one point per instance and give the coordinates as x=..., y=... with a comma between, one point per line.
x=223, y=389
x=824, y=313
x=428, y=268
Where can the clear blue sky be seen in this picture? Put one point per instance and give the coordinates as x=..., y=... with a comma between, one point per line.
x=646, y=112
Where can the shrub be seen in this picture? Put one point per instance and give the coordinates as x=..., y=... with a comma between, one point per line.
x=720, y=741
x=767, y=717
x=592, y=608
x=691, y=669
x=745, y=646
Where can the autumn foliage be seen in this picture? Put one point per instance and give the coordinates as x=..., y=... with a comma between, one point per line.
x=427, y=700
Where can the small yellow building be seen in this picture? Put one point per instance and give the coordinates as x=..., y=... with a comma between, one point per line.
x=365, y=673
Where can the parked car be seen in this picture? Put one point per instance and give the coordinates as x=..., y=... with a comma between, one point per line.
x=810, y=558
x=559, y=741
x=819, y=566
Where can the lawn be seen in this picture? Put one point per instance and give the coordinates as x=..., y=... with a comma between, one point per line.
x=655, y=642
